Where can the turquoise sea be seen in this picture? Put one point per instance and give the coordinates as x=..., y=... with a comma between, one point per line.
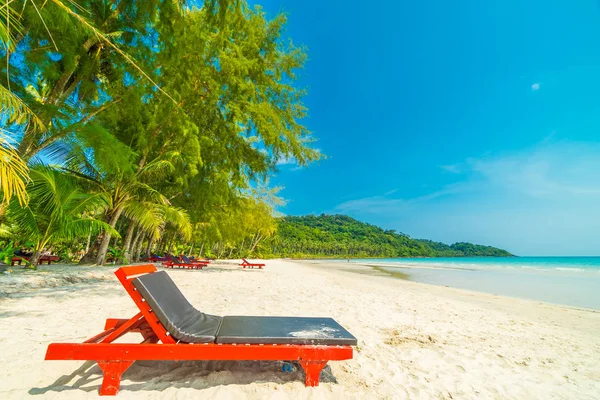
x=573, y=281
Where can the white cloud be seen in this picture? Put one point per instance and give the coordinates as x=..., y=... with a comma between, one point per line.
x=542, y=200
x=535, y=87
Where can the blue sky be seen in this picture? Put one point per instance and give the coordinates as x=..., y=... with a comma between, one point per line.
x=453, y=121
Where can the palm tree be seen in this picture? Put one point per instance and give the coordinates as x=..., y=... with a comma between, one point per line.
x=153, y=219
x=56, y=211
x=129, y=193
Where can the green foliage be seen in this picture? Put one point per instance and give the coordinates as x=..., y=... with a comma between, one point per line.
x=340, y=236
x=160, y=119
x=116, y=256
x=56, y=211
x=7, y=253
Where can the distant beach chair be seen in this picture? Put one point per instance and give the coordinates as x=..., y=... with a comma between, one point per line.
x=186, y=333
x=173, y=262
x=18, y=260
x=49, y=259
x=245, y=264
x=155, y=258
x=43, y=259
x=205, y=260
x=187, y=260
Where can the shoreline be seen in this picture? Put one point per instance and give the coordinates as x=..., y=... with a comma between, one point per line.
x=571, y=289
x=24, y=278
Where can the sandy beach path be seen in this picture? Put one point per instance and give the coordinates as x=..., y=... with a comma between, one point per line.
x=415, y=340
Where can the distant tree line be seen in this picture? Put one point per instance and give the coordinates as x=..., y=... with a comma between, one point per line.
x=340, y=236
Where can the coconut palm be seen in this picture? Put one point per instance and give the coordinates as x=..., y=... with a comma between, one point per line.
x=56, y=211
x=153, y=220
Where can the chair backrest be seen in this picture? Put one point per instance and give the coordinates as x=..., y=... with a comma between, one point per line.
x=186, y=259
x=175, y=313
x=173, y=259
x=126, y=276
x=245, y=261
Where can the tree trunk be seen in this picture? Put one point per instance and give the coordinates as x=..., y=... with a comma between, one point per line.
x=89, y=239
x=127, y=241
x=256, y=240
x=34, y=260
x=201, y=250
x=149, y=248
x=27, y=144
x=136, y=244
x=171, y=244
x=138, y=251
x=106, y=237
x=90, y=256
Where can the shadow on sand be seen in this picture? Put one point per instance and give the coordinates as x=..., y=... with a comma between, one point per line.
x=161, y=375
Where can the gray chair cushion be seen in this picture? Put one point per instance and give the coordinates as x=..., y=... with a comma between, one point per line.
x=283, y=330
x=187, y=324
x=177, y=315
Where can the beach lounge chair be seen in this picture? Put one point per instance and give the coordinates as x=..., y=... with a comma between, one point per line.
x=187, y=260
x=186, y=333
x=18, y=260
x=155, y=258
x=205, y=260
x=49, y=259
x=43, y=259
x=172, y=262
x=245, y=264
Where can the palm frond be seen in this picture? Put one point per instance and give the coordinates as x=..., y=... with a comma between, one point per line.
x=9, y=25
x=144, y=190
x=17, y=111
x=147, y=214
x=180, y=219
x=13, y=173
x=26, y=220
x=156, y=170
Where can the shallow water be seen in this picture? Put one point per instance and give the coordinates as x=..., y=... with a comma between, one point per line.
x=573, y=281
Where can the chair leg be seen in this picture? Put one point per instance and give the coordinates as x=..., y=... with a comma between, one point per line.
x=112, y=376
x=313, y=371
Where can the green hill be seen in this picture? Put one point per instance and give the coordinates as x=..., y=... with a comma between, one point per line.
x=340, y=236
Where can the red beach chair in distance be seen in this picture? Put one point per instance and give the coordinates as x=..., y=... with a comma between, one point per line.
x=245, y=264
x=202, y=263
x=155, y=258
x=18, y=260
x=43, y=259
x=172, y=262
x=172, y=329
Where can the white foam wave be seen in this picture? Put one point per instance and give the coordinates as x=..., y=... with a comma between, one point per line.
x=569, y=269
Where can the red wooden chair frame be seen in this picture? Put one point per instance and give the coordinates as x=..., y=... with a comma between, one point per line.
x=171, y=264
x=43, y=259
x=203, y=263
x=18, y=260
x=245, y=264
x=115, y=358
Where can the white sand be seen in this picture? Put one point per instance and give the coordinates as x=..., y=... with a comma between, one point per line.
x=415, y=341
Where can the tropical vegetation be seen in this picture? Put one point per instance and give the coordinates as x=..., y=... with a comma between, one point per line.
x=340, y=236
x=130, y=127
